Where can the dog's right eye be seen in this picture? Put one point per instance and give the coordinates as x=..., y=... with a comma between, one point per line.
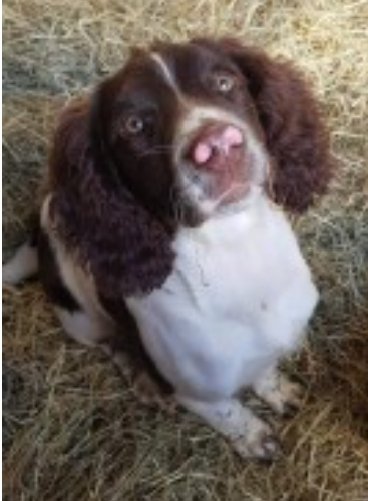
x=133, y=124
x=223, y=82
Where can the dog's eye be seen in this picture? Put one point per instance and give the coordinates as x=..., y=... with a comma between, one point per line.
x=224, y=83
x=133, y=124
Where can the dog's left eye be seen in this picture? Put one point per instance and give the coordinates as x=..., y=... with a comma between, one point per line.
x=134, y=124
x=224, y=83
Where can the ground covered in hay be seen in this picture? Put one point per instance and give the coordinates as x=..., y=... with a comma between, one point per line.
x=72, y=427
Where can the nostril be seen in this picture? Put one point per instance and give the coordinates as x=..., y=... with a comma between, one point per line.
x=232, y=136
x=202, y=152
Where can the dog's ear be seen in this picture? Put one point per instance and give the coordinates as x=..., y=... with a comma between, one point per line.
x=296, y=136
x=116, y=239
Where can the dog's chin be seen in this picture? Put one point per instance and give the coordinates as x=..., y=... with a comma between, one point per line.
x=205, y=195
x=231, y=194
x=198, y=208
x=234, y=199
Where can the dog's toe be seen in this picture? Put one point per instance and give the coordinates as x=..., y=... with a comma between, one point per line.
x=260, y=443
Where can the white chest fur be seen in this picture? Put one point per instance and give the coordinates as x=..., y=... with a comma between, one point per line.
x=239, y=297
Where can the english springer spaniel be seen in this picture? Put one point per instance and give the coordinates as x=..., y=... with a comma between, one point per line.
x=164, y=199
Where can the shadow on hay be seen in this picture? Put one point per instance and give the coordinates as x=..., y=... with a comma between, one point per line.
x=341, y=377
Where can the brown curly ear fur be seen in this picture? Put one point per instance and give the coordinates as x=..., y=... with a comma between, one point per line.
x=116, y=239
x=296, y=137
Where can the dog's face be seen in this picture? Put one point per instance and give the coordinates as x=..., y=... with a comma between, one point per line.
x=182, y=131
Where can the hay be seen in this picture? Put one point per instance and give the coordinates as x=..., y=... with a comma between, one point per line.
x=72, y=428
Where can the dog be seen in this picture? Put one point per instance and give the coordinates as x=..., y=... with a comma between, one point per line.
x=165, y=199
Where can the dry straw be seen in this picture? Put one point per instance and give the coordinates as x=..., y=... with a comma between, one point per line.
x=72, y=428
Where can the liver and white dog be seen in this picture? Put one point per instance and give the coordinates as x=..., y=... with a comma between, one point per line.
x=164, y=198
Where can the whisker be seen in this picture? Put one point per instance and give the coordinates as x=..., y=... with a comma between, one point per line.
x=156, y=150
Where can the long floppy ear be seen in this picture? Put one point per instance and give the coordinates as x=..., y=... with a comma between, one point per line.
x=116, y=239
x=296, y=136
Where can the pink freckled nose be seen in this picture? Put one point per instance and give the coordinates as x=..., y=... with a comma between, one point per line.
x=214, y=143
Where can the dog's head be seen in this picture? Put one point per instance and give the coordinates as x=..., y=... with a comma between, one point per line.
x=202, y=127
x=181, y=133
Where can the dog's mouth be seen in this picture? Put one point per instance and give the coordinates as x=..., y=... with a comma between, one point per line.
x=219, y=162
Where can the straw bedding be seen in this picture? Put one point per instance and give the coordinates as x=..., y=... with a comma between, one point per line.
x=73, y=428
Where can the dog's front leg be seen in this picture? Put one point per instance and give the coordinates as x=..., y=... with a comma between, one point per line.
x=250, y=436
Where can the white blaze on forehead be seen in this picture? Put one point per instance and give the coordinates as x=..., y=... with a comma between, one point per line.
x=167, y=73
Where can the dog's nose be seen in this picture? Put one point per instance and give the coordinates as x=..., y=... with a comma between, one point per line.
x=216, y=145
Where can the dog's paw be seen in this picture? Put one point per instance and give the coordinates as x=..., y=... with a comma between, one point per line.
x=258, y=442
x=285, y=397
x=288, y=398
